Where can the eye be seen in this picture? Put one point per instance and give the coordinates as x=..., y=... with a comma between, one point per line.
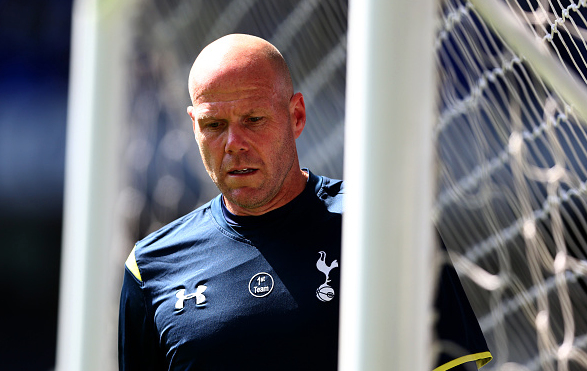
x=253, y=120
x=212, y=125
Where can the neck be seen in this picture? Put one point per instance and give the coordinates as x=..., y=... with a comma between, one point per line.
x=297, y=186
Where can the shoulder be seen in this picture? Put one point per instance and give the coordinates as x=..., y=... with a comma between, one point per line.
x=330, y=191
x=331, y=187
x=170, y=239
x=198, y=219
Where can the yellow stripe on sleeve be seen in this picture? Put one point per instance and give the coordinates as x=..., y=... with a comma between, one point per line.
x=131, y=264
x=481, y=359
x=485, y=360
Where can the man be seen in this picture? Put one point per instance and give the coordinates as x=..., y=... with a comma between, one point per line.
x=251, y=279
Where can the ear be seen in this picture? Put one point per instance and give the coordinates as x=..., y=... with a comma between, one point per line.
x=297, y=111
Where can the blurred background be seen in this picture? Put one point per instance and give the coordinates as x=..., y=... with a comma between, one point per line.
x=34, y=70
x=158, y=175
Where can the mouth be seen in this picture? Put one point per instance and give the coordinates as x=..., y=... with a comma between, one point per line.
x=242, y=171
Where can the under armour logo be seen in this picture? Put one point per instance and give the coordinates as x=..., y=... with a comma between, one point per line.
x=325, y=292
x=181, y=296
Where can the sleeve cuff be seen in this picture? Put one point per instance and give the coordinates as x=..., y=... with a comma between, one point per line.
x=480, y=358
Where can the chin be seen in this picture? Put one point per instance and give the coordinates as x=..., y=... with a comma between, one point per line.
x=247, y=200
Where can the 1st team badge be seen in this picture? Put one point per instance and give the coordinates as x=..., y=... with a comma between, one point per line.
x=261, y=285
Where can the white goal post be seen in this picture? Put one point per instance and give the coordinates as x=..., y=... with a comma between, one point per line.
x=387, y=273
x=90, y=272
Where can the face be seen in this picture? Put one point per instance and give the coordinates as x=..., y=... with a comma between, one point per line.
x=246, y=129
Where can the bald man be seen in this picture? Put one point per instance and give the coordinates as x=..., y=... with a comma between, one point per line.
x=250, y=280
x=246, y=119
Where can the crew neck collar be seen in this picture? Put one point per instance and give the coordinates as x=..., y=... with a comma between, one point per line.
x=240, y=222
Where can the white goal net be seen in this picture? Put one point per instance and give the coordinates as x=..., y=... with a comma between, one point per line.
x=512, y=166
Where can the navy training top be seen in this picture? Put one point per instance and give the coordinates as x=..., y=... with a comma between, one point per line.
x=216, y=291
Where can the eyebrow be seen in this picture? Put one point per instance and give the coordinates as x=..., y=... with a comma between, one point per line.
x=205, y=116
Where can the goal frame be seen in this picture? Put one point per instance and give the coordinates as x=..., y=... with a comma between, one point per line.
x=387, y=260
x=90, y=267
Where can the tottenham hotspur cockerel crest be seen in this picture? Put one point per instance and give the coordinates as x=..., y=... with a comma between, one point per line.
x=325, y=292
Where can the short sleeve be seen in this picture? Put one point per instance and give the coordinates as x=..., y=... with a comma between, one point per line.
x=138, y=347
x=462, y=343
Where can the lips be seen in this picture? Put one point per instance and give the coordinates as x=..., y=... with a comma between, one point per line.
x=242, y=171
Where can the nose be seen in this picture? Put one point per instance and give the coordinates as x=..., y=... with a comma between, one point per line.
x=236, y=140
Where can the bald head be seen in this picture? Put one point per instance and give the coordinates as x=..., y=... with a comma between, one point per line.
x=237, y=55
x=246, y=120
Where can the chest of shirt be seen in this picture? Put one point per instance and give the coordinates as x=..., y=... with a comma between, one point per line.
x=235, y=291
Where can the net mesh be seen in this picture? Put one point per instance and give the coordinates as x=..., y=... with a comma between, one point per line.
x=510, y=153
x=511, y=205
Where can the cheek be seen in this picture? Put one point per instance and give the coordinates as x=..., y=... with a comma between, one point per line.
x=204, y=152
x=211, y=153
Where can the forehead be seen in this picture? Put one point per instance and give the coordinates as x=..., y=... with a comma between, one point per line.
x=236, y=94
x=236, y=87
x=233, y=90
x=234, y=66
x=238, y=102
x=237, y=83
x=230, y=73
